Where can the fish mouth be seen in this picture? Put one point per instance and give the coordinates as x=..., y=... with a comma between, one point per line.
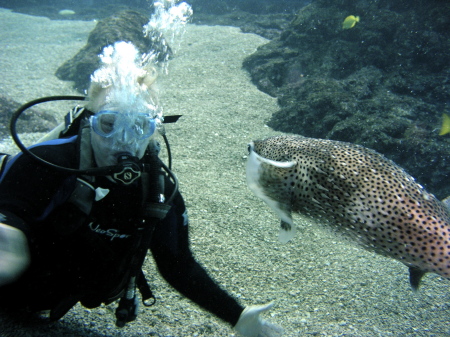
x=251, y=147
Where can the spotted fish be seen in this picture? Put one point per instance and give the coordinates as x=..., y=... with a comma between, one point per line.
x=357, y=192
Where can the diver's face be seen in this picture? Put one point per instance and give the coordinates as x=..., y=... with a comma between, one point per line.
x=114, y=133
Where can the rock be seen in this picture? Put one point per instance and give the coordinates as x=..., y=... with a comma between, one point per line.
x=31, y=120
x=383, y=83
x=267, y=18
x=269, y=26
x=124, y=26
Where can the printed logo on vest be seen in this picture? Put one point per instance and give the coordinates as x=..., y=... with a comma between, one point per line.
x=112, y=233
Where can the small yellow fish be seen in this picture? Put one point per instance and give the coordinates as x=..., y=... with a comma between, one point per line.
x=350, y=22
x=445, y=128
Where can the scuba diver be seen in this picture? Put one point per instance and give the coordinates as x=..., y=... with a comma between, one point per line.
x=79, y=212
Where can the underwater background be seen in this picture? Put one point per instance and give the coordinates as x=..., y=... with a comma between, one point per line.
x=246, y=70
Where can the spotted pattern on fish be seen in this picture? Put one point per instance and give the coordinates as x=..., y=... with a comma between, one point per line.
x=357, y=192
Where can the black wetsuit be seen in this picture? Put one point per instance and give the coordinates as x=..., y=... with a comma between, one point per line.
x=86, y=262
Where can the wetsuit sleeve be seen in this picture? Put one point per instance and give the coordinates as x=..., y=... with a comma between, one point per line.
x=29, y=191
x=171, y=251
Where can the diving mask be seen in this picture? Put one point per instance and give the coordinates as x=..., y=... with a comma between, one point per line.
x=107, y=123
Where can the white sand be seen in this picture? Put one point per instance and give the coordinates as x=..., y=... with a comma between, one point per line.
x=322, y=286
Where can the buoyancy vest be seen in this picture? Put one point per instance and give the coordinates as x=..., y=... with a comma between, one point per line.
x=153, y=210
x=80, y=203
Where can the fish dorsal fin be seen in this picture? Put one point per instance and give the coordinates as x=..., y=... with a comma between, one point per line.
x=446, y=202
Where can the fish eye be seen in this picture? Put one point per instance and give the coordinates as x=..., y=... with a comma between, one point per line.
x=249, y=148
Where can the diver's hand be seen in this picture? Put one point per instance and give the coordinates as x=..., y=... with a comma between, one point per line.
x=251, y=325
x=14, y=254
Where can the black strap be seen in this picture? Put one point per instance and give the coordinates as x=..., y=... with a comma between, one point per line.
x=148, y=299
x=4, y=157
x=127, y=308
x=153, y=211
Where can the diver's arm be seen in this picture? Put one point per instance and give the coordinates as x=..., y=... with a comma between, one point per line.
x=25, y=192
x=14, y=254
x=191, y=280
x=170, y=248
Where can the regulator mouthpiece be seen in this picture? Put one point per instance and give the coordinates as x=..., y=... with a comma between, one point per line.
x=130, y=169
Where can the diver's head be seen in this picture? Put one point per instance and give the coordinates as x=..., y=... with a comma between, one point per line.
x=123, y=98
x=115, y=133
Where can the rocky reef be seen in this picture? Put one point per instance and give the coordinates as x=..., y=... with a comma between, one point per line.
x=267, y=18
x=383, y=83
x=123, y=26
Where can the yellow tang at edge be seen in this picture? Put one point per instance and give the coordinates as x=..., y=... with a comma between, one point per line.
x=445, y=128
x=350, y=22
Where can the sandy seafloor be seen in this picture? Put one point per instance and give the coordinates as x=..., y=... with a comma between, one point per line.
x=322, y=286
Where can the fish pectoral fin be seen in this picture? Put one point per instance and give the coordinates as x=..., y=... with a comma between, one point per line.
x=287, y=231
x=415, y=275
x=287, y=226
